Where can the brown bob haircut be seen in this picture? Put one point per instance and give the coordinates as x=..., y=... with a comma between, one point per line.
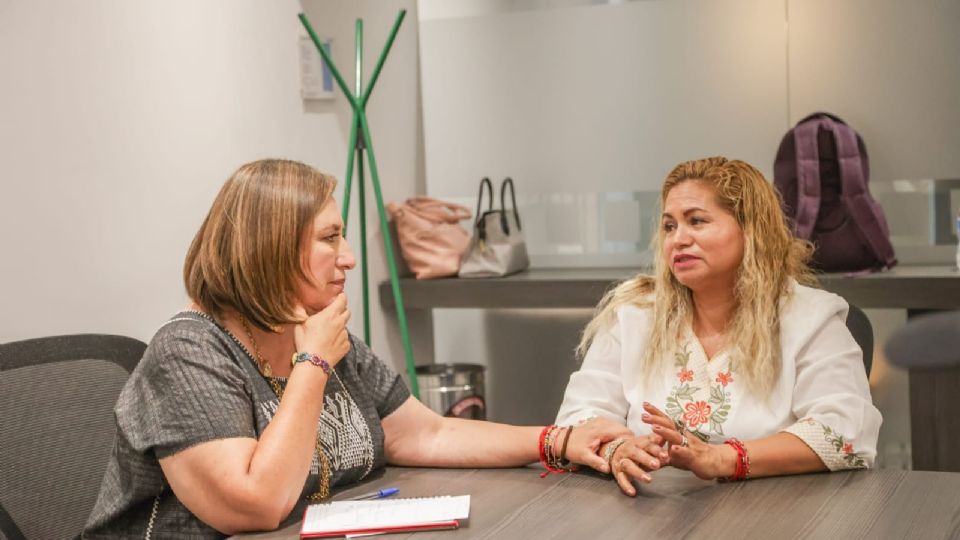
x=247, y=255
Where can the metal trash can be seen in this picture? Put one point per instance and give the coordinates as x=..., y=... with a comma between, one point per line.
x=453, y=389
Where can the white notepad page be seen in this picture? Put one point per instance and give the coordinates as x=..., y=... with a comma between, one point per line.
x=344, y=515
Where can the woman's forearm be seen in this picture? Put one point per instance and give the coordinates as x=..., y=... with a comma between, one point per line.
x=778, y=454
x=472, y=443
x=414, y=435
x=283, y=455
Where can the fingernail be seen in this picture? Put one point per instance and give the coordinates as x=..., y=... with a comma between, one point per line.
x=645, y=416
x=654, y=463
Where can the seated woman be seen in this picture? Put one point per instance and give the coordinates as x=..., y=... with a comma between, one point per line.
x=256, y=400
x=722, y=363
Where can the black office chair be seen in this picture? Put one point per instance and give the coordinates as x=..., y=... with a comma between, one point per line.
x=859, y=325
x=57, y=428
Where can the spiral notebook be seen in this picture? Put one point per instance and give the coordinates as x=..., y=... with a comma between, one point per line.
x=361, y=518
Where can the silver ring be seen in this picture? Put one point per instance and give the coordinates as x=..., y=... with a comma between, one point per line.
x=684, y=442
x=680, y=425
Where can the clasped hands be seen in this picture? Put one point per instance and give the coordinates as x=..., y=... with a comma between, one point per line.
x=669, y=444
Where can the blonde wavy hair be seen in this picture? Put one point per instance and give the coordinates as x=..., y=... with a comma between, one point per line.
x=772, y=257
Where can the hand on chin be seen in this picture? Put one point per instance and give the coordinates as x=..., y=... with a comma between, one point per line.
x=319, y=305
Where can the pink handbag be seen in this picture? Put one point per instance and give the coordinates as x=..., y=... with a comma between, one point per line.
x=431, y=238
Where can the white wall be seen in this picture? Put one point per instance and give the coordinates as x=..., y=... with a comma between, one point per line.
x=571, y=96
x=890, y=69
x=579, y=96
x=121, y=120
x=393, y=113
x=600, y=97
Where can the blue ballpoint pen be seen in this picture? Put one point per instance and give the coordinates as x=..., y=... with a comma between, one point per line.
x=379, y=494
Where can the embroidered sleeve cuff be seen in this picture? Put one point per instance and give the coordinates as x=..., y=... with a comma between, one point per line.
x=835, y=452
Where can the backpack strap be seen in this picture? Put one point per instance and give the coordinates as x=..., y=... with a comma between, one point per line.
x=808, y=177
x=854, y=192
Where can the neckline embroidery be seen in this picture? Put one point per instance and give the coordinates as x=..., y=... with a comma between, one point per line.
x=704, y=405
x=720, y=357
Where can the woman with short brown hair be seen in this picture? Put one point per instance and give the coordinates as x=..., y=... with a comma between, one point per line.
x=256, y=400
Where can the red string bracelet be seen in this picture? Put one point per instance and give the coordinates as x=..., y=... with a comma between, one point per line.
x=543, y=437
x=742, y=471
x=547, y=442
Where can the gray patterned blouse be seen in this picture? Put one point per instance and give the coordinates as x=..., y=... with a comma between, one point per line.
x=195, y=384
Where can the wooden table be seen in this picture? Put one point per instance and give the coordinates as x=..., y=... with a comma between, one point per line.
x=517, y=503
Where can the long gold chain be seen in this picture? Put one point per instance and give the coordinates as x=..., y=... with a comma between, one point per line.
x=262, y=364
x=324, y=492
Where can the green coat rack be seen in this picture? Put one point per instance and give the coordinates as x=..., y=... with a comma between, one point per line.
x=363, y=143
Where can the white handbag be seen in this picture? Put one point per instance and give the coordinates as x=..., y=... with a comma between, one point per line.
x=497, y=247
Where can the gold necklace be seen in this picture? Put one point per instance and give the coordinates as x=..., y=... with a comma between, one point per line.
x=263, y=365
x=324, y=492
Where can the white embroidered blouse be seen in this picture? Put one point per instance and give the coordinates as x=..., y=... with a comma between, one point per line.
x=822, y=396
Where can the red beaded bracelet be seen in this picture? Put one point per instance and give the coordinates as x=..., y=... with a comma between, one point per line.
x=547, y=441
x=543, y=437
x=742, y=471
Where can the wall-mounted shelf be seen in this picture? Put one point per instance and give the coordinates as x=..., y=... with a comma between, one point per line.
x=905, y=287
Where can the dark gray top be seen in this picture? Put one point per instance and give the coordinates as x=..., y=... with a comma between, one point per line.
x=196, y=383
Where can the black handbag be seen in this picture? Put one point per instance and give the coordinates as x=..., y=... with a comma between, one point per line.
x=497, y=247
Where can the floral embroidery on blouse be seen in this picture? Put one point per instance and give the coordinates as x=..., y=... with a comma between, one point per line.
x=841, y=446
x=836, y=452
x=698, y=415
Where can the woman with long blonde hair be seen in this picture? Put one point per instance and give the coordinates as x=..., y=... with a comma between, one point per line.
x=725, y=362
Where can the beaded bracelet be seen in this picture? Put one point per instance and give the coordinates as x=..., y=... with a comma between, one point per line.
x=559, y=461
x=312, y=358
x=548, y=438
x=540, y=443
x=553, y=464
x=564, y=462
x=742, y=471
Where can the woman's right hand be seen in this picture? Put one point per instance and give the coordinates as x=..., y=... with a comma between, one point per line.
x=325, y=332
x=589, y=436
x=635, y=458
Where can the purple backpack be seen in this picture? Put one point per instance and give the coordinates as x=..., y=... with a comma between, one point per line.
x=822, y=172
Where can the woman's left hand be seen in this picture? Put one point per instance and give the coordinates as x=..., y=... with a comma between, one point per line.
x=586, y=439
x=687, y=451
